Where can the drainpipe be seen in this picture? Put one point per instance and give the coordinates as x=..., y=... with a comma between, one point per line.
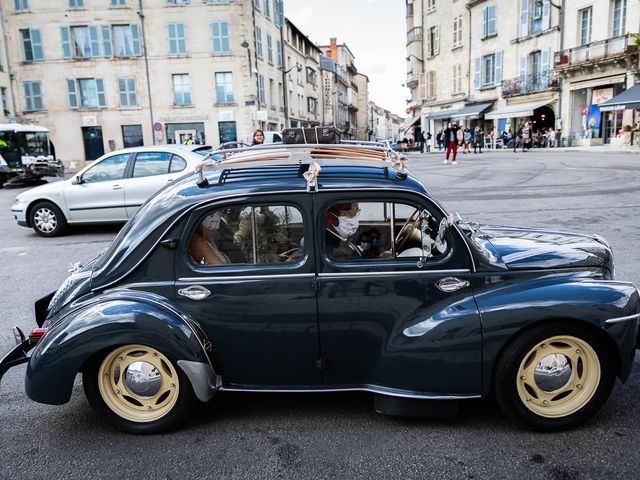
x=9, y=69
x=255, y=49
x=146, y=69
x=560, y=80
x=283, y=67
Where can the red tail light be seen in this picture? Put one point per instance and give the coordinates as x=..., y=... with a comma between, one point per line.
x=36, y=334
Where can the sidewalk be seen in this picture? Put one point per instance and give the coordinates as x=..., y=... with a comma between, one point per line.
x=612, y=149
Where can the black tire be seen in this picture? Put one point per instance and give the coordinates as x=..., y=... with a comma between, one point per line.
x=588, y=380
x=176, y=413
x=3, y=178
x=47, y=220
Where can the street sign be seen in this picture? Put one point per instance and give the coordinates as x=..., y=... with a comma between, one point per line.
x=157, y=127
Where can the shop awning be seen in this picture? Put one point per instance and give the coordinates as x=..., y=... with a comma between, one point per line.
x=443, y=114
x=627, y=100
x=520, y=110
x=408, y=123
x=471, y=111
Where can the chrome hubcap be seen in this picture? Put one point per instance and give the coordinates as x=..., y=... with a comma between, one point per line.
x=143, y=379
x=45, y=220
x=553, y=372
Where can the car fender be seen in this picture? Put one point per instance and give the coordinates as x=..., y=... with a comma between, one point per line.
x=56, y=198
x=105, y=321
x=511, y=306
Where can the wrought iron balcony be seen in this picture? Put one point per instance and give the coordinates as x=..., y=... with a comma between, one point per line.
x=595, y=52
x=529, y=84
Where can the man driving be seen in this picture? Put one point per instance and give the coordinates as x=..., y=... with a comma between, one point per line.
x=341, y=223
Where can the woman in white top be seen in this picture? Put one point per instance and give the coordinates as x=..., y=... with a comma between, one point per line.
x=203, y=248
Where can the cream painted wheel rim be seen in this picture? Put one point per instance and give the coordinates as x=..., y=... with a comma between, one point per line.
x=138, y=383
x=558, y=376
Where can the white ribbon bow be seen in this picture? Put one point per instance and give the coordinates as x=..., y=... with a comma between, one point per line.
x=311, y=176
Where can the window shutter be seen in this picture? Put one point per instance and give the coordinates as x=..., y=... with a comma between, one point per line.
x=135, y=35
x=95, y=45
x=224, y=32
x=437, y=46
x=171, y=31
x=432, y=85
x=524, y=18
x=102, y=101
x=73, y=96
x=215, y=37
x=182, y=38
x=498, y=68
x=422, y=84
x=477, y=70
x=106, y=41
x=36, y=44
x=485, y=20
x=546, y=15
x=523, y=68
x=429, y=50
x=66, y=42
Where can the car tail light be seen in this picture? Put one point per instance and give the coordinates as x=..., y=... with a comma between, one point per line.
x=36, y=334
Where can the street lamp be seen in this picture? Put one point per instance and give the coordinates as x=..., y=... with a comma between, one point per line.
x=412, y=55
x=298, y=67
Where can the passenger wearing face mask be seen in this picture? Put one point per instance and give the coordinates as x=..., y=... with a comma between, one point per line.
x=367, y=246
x=203, y=248
x=341, y=223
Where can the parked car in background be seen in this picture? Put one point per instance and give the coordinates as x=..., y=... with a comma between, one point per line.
x=109, y=190
x=330, y=268
x=272, y=137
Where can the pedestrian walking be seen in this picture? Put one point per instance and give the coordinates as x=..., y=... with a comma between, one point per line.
x=451, y=142
x=440, y=139
x=527, y=136
x=468, y=138
x=518, y=138
x=478, y=138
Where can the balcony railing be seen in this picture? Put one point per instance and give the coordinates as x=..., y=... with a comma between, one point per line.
x=529, y=84
x=594, y=52
x=414, y=35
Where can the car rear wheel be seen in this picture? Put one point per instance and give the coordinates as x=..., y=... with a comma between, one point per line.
x=47, y=220
x=554, y=377
x=138, y=389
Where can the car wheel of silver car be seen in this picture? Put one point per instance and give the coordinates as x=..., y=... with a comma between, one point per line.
x=47, y=220
x=138, y=389
x=554, y=377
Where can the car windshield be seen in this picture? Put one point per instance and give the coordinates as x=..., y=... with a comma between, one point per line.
x=35, y=143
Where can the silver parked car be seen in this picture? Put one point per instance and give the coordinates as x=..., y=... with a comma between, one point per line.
x=109, y=190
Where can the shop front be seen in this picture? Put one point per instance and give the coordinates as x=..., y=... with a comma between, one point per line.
x=185, y=132
x=541, y=114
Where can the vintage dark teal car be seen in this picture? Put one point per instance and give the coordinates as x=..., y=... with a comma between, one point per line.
x=323, y=268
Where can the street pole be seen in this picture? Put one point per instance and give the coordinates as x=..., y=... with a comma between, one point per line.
x=283, y=67
x=146, y=69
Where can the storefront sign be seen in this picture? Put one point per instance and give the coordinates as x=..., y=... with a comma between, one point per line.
x=601, y=95
x=262, y=115
x=90, y=121
x=225, y=116
x=185, y=118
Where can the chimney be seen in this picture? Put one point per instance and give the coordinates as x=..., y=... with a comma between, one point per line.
x=334, y=49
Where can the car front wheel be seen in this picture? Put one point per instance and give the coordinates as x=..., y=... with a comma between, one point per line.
x=554, y=377
x=47, y=220
x=138, y=389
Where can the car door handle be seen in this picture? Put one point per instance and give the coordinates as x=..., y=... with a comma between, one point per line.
x=170, y=180
x=195, y=292
x=451, y=284
x=117, y=187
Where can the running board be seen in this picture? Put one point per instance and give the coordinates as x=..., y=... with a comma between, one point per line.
x=413, y=407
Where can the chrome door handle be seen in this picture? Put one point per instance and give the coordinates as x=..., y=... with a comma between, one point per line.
x=451, y=284
x=117, y=187
x=195, y=292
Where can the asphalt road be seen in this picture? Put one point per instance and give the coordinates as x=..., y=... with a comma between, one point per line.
x=247, y=436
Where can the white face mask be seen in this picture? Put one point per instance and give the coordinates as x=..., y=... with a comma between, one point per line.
x=212, y=222
x=347, y=226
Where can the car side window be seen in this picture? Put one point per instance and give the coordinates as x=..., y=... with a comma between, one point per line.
x=151, y=163
x=382, y=231
x=111, y=168
x=248, y=235
x=177, y=164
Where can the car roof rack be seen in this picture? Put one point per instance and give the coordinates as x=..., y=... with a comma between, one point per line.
x=346, y=153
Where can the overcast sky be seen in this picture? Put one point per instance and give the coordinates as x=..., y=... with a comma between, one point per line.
x=374, y=31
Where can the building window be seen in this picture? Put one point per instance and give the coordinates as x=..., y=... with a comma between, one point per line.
x=312, y=76
x=32, y=96
x=220, y=35
x=21, y=5
x=457, y=78
x=256, y=4
x=431, y=5
x=457, y=32
x=178, y=2
x=31, y=45
x=86, y=93
x=488, y=70
x=585, y=26
x=537, y=9
x=76, y=3
x=312, y=105
x=127, y=92
x=433, y=41
x=269, y=49
x=181, y=89
x=262, y=98
x=126, y=40
x=5, y=101
x=258, y=41
x=619, y=18
x=177, y=39
x=489, y=24
x=118, y=3
x=279, y=52
x=224, y=87
x=80, y=42
x=267, y=8
x=132, y=136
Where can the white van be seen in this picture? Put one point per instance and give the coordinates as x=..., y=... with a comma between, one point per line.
x=272, y=137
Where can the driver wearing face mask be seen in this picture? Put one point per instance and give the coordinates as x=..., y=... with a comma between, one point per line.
x=341, y=223
x=203, y=248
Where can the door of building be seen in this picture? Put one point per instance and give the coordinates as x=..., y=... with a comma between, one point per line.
x=181, y=136
x=228, y=132
x=93, y=142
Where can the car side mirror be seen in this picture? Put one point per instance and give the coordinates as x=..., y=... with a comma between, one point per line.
x=77, y=180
